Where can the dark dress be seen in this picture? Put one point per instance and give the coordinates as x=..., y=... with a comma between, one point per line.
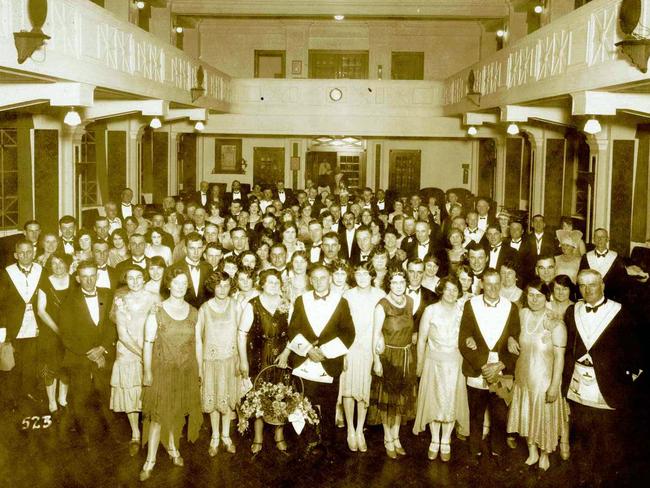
x=267, y=337
x=50, y=346
x=175, y=392
x=394, y=393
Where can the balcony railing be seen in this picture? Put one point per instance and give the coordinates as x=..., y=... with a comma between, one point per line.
x=90, y=45
x=574, y=53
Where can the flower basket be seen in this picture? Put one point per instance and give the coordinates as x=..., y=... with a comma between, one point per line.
x=276, y=400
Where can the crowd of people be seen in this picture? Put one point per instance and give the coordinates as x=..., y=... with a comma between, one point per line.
x=414, y=311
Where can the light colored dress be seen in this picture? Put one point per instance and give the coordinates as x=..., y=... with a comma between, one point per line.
x=115, y=258
x=355, y=381
x=442, y=396
x=162, y=251
x=567, y=265
x=530, y=415
x=219, y=388
x=126, y=377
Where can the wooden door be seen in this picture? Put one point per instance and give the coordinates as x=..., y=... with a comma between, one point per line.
x=268, y=166
x=187, y=163
x=404, y=171
x=353, y=166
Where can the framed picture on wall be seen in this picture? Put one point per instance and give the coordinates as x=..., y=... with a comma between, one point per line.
x=296, y=67
x=227, y=156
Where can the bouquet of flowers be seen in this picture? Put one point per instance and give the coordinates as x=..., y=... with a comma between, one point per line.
x=276, y=403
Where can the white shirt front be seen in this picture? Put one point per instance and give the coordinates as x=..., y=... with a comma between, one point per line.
x=474, y=235
x=538, y=242
x=282, y=196
x=93, y=306
x=114, y=224
x=103, y=279
x=515, y=245
x=482, y=222
x=195, y=274
x=26, y=285
x=423, y=249
x=264, y=204
x=416, y=295
x=349, y=234
x=204, y=198
x=314, y=253
x=127, y=210
x=319, y=311
x=68, y=247
x=494, y=256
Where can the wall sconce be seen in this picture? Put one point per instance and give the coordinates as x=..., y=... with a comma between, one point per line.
x=592, y=126
x=72, y=118
x=513, y=129
x=28, y=42
x=539, y=7
x=155, y=123
x=472, y=131
x=199, y=126
x=178, y=29
x=501, y=33
x=199, y=90
x=140, y=4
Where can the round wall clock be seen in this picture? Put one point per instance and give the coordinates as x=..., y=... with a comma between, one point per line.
x=336, y=94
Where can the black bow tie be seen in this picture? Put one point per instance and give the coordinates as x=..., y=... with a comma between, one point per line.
x=380, y=201
x=318, y=297
x=595, y=308
x=426, y=244
x=194, y=267
x=491, y=305
x=411, y=290
x=71, y=241
x=126, y=204
x=25, y=271
x=601, y=255
x=516, y=242
x=364, y=257
x=101, y=268
x=90, y=295
x=496, y=248
x=316, y=246
x=280, y=193
x=470, y=231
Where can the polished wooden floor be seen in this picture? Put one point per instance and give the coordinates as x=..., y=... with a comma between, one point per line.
x=48, y=457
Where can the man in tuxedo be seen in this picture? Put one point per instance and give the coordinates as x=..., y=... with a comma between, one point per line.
x=477, y=257
x=335, y=210
x=601, y=367
x=283, y=194
x=498, y=253
x=313, y=246
x=545, y=269
x=473, y=232
x=364, y=248
x=409, y=239
x=321, y=317
x=609, y=264
x=267, y=199
x=126, y=207
x=237, y=193
x=107, y=277
x=278, y=259
x=489, y=320
x=89, y=336
x=347, y=233
x=199, y=220
x=202, y=196
x=515, y=241
x=538, y=243
x=415, y=202
x=344, y=202
x=483, y=210
x=314, y=201
x=235, y=208
x=381, y=204
x=239, y=238
x=422, y=297
x=196, y=269
x=101, y=229
x=213, y=254
x=367, y=202
x=137, y=245
x=31, y=232
x=425, y=243
x=67, y=231
x=114, y=221
x=452, y=199
x=331, y=248
x=18, y=294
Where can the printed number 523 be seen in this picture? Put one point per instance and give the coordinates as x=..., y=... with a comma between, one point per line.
x=35, y=422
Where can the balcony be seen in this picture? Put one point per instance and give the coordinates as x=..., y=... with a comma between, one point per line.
x=575, y=53
x=90, y=45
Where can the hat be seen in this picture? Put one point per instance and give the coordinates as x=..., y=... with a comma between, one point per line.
x=568, y=238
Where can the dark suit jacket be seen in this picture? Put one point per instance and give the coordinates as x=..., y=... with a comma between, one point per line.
x=290, y=198
x=427, y=297
x=343, y=239
x=474, y=360
x=435, y=249
x=13, y=305
x=339, y=325
x=355, y=258
x=505, y=254
x=196, y=197
x=408, y=243
x=244, y=198
x=114, y=277
x=528, y=251
x=78, y=331
x=616, y=279
x=196, y=300
x=616, y=356
x=119, y=211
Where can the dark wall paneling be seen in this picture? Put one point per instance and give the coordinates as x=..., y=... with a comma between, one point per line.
x=160, y=153
x=487, y=159
x=188, y=153
x=116, y=162
x=146, y=166
x=101, y=154
x=514, y=146
x=46, y=177
x=553, y=181
x=620, y=221
x=640, y=210
x=25, y=200
x=569, y=171
x=526, y=163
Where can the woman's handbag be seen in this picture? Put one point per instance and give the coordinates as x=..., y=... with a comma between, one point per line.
x=7, y=361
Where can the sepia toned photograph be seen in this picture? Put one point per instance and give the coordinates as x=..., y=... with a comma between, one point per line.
x=287, y=244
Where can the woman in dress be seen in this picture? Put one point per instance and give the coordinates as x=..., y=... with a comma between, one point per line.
x=216, y=350
x=297, y=281
x=455, y=210
x=155, y=247
x=156, y=270
x=566, y=224
x=509, y=288
x=254, y=214
x=398, y=209
x=394, y=386
x=215, y=213
x=340, y=277
x=262, y=253
x=354, y=382
x=442, y=397
x=51, y=293
x=430, y=278
x=224, y=237
x=248, y=259
x=568, y=263
x=49, y=245
x=118, y=251
x=464, y=275
x=173, y=225
x=503, y=218
x=131, y=307
x=379, y=259
x=561, y=298
x=262, y=341
x=538, y=411
x=245, y=290
x=84, y=246
x=171, y=373
x=457, y=254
